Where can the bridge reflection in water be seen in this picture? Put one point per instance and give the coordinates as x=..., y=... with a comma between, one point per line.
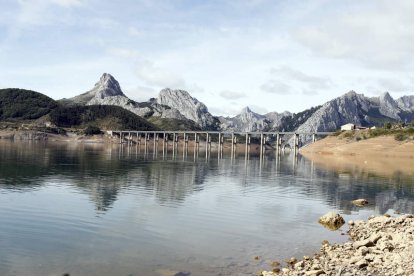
x=216, y=141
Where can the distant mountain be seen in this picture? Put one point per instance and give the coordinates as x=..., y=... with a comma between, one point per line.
x=247, y=120
x=171, y=105
x=189, y=107
x=21, y=104
x=178, y=110
x=360, y=110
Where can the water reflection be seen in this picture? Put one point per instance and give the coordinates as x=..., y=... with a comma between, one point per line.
x=106, y=209
x=103, y=171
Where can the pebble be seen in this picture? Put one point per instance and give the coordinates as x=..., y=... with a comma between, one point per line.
x=381, y=246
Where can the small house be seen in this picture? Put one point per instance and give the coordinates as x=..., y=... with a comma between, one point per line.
x=348, y=127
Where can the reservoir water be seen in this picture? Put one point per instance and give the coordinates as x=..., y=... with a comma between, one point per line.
x=92, y=209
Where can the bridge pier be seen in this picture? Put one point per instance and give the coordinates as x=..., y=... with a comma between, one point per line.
x=296, y=143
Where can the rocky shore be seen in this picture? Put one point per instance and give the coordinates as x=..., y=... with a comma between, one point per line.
x=382, y=245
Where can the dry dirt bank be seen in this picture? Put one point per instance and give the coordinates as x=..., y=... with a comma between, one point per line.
x=381, y=154
x=380, y=246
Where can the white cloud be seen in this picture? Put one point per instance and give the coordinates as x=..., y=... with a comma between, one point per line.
x=123, y=52
x=276, y=87
x=312, y=82
x=141, y=93
x=67, y=3
x=132, y=31
x=151, y=74
x=258, y=109
x=232, y=95
x=374, y=33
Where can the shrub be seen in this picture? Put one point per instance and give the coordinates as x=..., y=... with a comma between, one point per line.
x=337, y=133
x=400, y=136
x=387, y=125
x=92, y=130
x=348, y=134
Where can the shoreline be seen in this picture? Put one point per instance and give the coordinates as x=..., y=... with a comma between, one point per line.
x=382, y=245
x=382, y=155
x=72, y=137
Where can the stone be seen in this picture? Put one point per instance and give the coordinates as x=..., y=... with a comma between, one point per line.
x=361, y=263
x=363, y=250
x=360, y=202
x=332, y=220
x=267, y=273
x=314, y=272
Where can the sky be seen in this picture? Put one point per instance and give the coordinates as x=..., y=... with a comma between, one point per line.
x=269, y=55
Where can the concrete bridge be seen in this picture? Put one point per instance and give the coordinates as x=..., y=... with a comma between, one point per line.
x=274, y=139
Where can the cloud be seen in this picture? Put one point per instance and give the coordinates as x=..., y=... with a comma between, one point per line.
x=309, y=92
x=141, y=93
x=151, y=74
x=67, y=3
x=395, y=85
x=312, y=82
x=232, y=95
x=41, y=12
x=132, y=31
x=276, y=87
x=258, y=109
x=377, y=34
x=123, y=52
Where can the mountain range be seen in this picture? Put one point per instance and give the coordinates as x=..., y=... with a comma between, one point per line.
x=173, y=109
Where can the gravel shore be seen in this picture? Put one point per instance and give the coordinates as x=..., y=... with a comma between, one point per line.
x=382, y=245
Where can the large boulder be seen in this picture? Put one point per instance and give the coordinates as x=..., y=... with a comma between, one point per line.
x=332, y=220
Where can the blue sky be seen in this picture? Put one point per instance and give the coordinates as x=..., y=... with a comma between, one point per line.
x=267, y=54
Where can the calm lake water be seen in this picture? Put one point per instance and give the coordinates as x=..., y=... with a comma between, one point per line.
x=110, y=210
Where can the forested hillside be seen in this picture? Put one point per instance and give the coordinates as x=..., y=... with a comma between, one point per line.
x=102, y=116
x=20, y=104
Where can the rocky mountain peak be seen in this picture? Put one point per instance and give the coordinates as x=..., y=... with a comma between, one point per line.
x=107, y=86
x=388, y=106
x=188, y=106
x=246, y=110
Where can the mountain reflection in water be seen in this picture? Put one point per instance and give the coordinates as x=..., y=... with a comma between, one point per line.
x=109, y=209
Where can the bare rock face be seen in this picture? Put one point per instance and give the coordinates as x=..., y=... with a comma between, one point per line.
x=332, y=220
x=389, y=107
x=189, y=107
x=406, y=103
x=246, y=121
x=107, y=91
x=359, y=110
x=107, y=86
x=360, y=202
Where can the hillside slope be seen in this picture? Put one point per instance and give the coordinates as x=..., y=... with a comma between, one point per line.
x=21, y=104
x=102, y=116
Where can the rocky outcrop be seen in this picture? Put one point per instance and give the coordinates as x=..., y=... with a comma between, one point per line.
x=189, y=107
x=107, y=91
x=359, y=110
x=380, y=246
x=406, y=103
x=332, y=220
x=276, y=119
x=180, y=105
x=388, y=107
x=107, y=86
x=246, y=121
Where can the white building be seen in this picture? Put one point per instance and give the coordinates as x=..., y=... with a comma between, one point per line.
x=348, y=127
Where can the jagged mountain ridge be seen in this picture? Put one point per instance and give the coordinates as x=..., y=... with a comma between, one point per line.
x=180, y=105
x=359, y=110
x=189, y=107
x=107, y=91
x=247, y=120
